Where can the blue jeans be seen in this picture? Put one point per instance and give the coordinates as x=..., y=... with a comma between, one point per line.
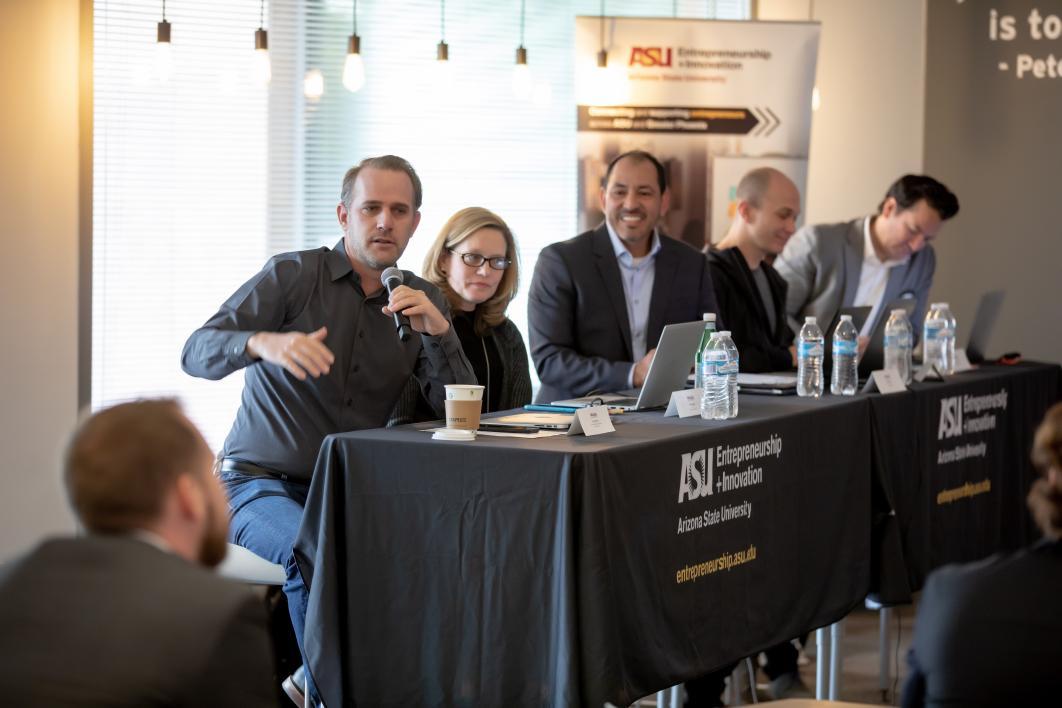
x=265, y=516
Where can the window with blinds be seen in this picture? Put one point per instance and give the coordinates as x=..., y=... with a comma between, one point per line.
x=201, y=171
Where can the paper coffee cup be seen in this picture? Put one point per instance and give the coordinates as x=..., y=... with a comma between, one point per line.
x=463, y=405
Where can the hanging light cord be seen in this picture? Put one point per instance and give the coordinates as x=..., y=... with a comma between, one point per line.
x=355, y=17
x=261, y=15
x=522, y=22
x=163, y=10
x=602, y=16
x=442, y=21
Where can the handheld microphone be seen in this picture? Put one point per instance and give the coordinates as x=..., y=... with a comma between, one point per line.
x=391, y=278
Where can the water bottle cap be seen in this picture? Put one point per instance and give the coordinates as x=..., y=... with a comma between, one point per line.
x=724, y=333
x=708, y=317
x=938, y=305
x=809, y=320
x=846, y=318
x=899, y=311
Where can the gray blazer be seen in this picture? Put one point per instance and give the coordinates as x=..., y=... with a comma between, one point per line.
x=577, y=312
x=114, y=621
x=822, y=263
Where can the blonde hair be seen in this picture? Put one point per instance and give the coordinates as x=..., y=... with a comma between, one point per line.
x=460, y=226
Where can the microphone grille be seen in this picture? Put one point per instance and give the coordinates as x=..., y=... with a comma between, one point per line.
x=391, y=274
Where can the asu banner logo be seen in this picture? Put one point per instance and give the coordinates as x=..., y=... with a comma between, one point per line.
x=650, y=56
x=950, y=418
x=697, y=475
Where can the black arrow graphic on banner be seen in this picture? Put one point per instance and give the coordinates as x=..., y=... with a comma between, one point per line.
x=777, y=122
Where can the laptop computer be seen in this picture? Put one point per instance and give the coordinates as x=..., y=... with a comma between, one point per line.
x=983, y=324
x=667, y=372
x=874, y=356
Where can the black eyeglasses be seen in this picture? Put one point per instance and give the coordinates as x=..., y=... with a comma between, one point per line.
x=475, y=260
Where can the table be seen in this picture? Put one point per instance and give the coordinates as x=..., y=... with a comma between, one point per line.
x=952, y=470
x=573, y=570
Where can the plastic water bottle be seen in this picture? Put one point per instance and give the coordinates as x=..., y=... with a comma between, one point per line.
x=809, y=359
x=731, y=374
x=713, y=376
x=844, y=378
x=938, y=338
x=709, y=330
x=899, y=341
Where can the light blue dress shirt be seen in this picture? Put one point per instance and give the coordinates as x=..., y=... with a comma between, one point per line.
x=637, y=275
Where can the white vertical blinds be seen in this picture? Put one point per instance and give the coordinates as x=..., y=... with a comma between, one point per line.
x=198, y=179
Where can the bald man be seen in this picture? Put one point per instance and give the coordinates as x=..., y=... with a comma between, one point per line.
x=750, y=292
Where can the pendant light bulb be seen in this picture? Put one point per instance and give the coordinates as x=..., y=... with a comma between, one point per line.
x=522, y=80
x=313, y=84
x=163, y=52
x=353, y=67
x=261, y=68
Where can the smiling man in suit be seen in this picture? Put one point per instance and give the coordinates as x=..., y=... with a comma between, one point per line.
x=599, y=301
x=869, y=261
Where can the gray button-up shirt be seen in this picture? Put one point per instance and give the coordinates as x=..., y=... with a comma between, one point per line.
x=281, y=420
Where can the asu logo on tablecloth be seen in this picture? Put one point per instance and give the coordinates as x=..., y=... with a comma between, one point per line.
x=697, y=474
x=950, y=417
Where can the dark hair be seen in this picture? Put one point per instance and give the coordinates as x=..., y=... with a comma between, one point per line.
x=911, y=189
x=640, y=156
x=384, y=162
x=1045, y=497
x=122, y=461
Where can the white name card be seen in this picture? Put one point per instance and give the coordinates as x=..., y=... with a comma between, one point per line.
x=685, y=403
x=962, y=362
x=886, y=381
x=592, y=421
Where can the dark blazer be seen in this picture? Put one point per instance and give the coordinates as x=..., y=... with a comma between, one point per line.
x=990, y=633
x=822, y=263
x=413, y=407
x=114, y=621
x=577, y=312
x=761, y=349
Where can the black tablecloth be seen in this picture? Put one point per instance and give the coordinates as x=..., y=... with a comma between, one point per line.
x=952, y=470
x=574, y=570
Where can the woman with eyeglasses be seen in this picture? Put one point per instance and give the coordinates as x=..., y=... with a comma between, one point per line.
x=474, y=262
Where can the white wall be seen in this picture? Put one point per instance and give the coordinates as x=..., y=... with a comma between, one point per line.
x=39, y=44
x=871, y=78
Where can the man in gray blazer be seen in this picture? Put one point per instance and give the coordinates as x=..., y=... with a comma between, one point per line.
x=132, y=614
x=598, y=302
x=869, y=261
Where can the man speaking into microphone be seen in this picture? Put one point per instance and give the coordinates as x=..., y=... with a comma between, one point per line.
x=317, y=333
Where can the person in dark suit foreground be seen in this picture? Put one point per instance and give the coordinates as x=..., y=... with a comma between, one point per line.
x=598, y=302
x=132, y=614
x=990, y=633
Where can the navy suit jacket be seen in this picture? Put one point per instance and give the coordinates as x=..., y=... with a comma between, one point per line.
x=990, y=633
x=577, y=313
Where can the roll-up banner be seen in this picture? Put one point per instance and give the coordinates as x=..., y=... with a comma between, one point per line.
x=710, y=99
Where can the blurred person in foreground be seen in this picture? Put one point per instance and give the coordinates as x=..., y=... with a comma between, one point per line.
x=132, y=614
x=990, y=633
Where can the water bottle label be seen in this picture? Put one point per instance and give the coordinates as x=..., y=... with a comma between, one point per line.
x=935, y=330
x=805, y=349
x=731, y=367
x=843, y=347
x=897, y=340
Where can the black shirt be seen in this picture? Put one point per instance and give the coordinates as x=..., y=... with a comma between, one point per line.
x=281, y=421
x=482, y=353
